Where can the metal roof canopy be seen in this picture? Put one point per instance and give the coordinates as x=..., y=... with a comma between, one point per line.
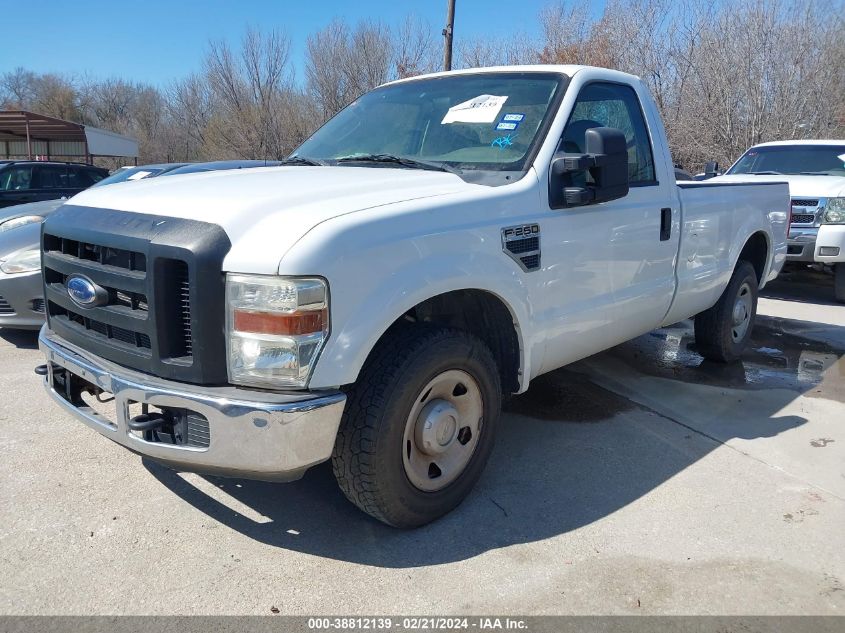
x=17, y=125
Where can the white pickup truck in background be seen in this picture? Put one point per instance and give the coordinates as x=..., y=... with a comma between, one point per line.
x=815, y=172
x=439, y=243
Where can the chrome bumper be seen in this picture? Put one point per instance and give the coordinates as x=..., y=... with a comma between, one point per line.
x=801, y=244
x=253, y=434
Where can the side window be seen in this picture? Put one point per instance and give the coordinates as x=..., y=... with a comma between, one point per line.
x=612, y=105
x=94, y=175
x=16, y=178
x=79, y=178
x=50, y=177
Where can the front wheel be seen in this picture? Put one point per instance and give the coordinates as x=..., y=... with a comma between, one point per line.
x=722, y=332
x=418, y=426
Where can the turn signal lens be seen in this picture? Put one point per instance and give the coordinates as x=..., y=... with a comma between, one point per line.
x=280, y=324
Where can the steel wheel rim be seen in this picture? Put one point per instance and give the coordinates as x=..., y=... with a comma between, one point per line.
x=442, y=430
x=741, y=314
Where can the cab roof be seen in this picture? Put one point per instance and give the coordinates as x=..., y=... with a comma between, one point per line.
x=563, y=69
x=802, y=142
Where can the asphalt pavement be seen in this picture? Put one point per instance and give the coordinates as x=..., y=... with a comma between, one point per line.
x=643, y=480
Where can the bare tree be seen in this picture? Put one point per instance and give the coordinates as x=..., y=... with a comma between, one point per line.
x=250, y=94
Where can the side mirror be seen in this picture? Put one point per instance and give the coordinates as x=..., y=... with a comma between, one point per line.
x=711, y=169
x=597, y=176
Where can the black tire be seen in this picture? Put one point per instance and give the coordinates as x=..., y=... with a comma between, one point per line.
x=368, y=454
x=714, y=328
x=839, y=282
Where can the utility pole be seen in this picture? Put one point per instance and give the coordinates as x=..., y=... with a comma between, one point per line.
x=447, y=34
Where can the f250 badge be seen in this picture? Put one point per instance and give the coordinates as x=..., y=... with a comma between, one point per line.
x=522, y=244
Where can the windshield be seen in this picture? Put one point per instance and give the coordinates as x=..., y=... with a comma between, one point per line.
x=815, y=160
x=487, y=121
x=131, y=173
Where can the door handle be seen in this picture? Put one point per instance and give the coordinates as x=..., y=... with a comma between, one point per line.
x=665, y=224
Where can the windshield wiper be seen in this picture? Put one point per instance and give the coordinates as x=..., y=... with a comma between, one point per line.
x=765, y=173
x=396, y=160
x=814, y=173
x=302, y=160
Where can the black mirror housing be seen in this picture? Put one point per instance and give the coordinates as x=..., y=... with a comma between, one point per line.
x=711, y=169
x=606, y=162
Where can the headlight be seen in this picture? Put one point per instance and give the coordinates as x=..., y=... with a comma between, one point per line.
x=835, y=213
x=22, y=262
x=275, y=328
x=22, y=220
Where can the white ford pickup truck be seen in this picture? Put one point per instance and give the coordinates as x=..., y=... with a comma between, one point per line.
x=439, y=243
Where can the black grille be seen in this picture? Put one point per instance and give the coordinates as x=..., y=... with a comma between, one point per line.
x=5, y=308
x=105, y=255
x=802, y=202
x=199, y=434
x=181, y=274
x=38, y=305
x=531, y=262
x=152, y=272
x=524, y=246
x=522, y=243
x=803, y=218
x=118, y=335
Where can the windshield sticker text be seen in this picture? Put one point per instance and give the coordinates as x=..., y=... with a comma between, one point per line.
x=480, y=109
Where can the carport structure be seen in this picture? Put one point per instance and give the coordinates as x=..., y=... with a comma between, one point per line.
x=28, y=135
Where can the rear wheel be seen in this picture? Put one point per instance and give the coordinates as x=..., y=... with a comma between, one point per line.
x=418, y=426
x=839, y=282
x=722, y=332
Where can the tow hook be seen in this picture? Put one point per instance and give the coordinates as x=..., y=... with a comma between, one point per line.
x=42, y=370
x=147, y=422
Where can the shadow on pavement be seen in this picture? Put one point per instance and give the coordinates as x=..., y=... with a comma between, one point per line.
x=563, y=460
x=802, y=285
x=24, y=339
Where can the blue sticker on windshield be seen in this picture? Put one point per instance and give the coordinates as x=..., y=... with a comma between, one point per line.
x=510, y=121
x=503, y=141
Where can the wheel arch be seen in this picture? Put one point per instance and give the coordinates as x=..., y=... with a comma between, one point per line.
x=480, y=313
x=483, y=312
x=757, y=251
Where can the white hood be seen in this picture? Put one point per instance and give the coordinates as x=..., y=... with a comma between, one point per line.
x=265, y=211
x=799, y=185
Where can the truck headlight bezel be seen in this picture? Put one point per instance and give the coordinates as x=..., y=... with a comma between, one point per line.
x=276, y=327
x=27, y=260
x=834, y=212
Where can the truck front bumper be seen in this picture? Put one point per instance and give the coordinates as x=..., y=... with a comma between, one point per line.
x=801, y=245
x=830, y=244
x=249, y=433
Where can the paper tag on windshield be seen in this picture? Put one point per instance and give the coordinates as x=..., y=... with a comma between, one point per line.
x=138, y=175
x=841, y=157
x=481, y=109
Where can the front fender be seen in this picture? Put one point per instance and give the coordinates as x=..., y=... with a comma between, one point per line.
x=359, y=319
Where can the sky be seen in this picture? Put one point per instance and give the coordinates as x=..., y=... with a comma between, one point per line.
x=157, y=41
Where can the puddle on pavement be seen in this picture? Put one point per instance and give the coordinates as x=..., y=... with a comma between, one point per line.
x=565, y=396
x=774, y=360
